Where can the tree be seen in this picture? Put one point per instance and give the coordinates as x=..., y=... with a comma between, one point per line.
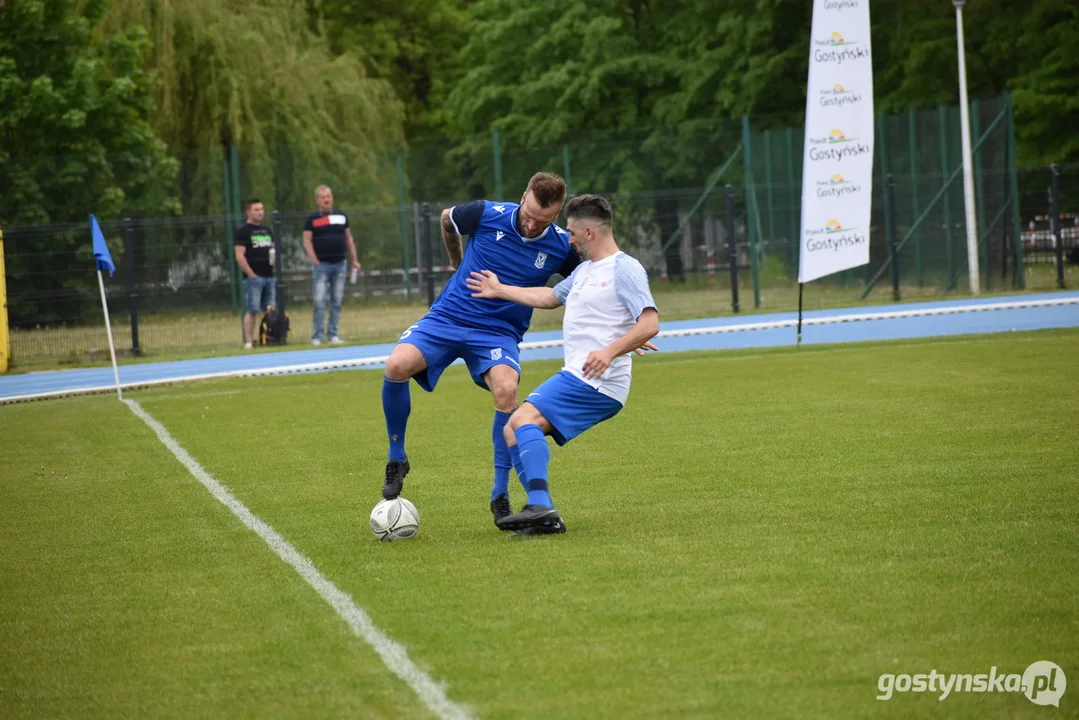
x=257, y=76
x=411, y=44
x=1046, y=88
x=415, y=46
x=1030, y=48
x=606, y=80
x=75, y=138
x=74, y=118
x=670, y=81
x=588, y=69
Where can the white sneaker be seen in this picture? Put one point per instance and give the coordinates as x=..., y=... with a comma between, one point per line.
x=247, y=346
x=336, y=341
x=316, y=341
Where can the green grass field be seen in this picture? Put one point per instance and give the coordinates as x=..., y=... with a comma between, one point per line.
x=758, y=534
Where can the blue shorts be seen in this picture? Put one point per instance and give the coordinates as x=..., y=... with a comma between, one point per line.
x=571, y=405
x=441, y=343
x=260, y=293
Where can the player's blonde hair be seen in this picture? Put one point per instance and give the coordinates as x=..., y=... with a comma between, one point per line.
x=548, y=189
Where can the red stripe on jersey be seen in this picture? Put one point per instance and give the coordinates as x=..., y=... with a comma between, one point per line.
x=319, y=222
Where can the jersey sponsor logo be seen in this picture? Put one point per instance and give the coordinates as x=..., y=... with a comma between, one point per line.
x=541, y=259
x=328, y=220
x=500, y=208
x=499, y=235
x=496, y=353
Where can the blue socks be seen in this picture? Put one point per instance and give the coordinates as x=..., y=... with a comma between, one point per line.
x=503, y=458
x=529, y=457
x=535, y=456
x=397, y=406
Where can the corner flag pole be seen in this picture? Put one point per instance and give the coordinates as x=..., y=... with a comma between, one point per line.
x=103, y=259
x=108, y=328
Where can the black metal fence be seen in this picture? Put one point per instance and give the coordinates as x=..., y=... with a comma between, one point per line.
x=177, y=288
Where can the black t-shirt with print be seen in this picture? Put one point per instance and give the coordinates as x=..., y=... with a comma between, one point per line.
x=257, y=239
x=327, y=234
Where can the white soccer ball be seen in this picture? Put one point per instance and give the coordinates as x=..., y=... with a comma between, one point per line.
x=395, y=519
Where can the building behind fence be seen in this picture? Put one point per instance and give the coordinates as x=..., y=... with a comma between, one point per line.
x=178, y=284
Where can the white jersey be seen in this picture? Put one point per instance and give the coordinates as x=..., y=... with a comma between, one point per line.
x=603, y=300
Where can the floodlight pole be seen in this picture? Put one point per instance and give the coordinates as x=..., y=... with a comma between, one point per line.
x=968, y=164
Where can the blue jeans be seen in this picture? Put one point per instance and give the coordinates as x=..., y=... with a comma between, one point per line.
x=329, y=279
x=260, y=293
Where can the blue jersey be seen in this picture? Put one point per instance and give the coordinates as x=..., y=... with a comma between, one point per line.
x=496, y=245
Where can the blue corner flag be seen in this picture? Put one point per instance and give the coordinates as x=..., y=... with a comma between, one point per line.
x=101, y=250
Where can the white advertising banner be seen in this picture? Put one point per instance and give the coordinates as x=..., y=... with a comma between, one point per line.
x=837, y=175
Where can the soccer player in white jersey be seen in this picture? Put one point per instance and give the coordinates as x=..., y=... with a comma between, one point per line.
x=609, y=314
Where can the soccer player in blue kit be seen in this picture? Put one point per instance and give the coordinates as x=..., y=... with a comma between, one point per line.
x=519, y=242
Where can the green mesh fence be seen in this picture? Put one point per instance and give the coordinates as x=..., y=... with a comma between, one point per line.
x=921, y=152
x=669, y=188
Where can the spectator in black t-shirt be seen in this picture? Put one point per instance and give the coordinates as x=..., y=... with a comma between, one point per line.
x=253, y=245
x=326, y=239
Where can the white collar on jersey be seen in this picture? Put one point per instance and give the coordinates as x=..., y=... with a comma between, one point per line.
x=513, y=221
x=593, y=263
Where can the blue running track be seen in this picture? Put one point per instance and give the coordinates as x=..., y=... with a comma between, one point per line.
x=961, y=321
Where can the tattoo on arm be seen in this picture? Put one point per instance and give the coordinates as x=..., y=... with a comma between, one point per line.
x=452, y=241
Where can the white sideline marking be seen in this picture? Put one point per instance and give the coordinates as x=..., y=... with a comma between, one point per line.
x=833, y=320
x=393, y=654
x=536, y=345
